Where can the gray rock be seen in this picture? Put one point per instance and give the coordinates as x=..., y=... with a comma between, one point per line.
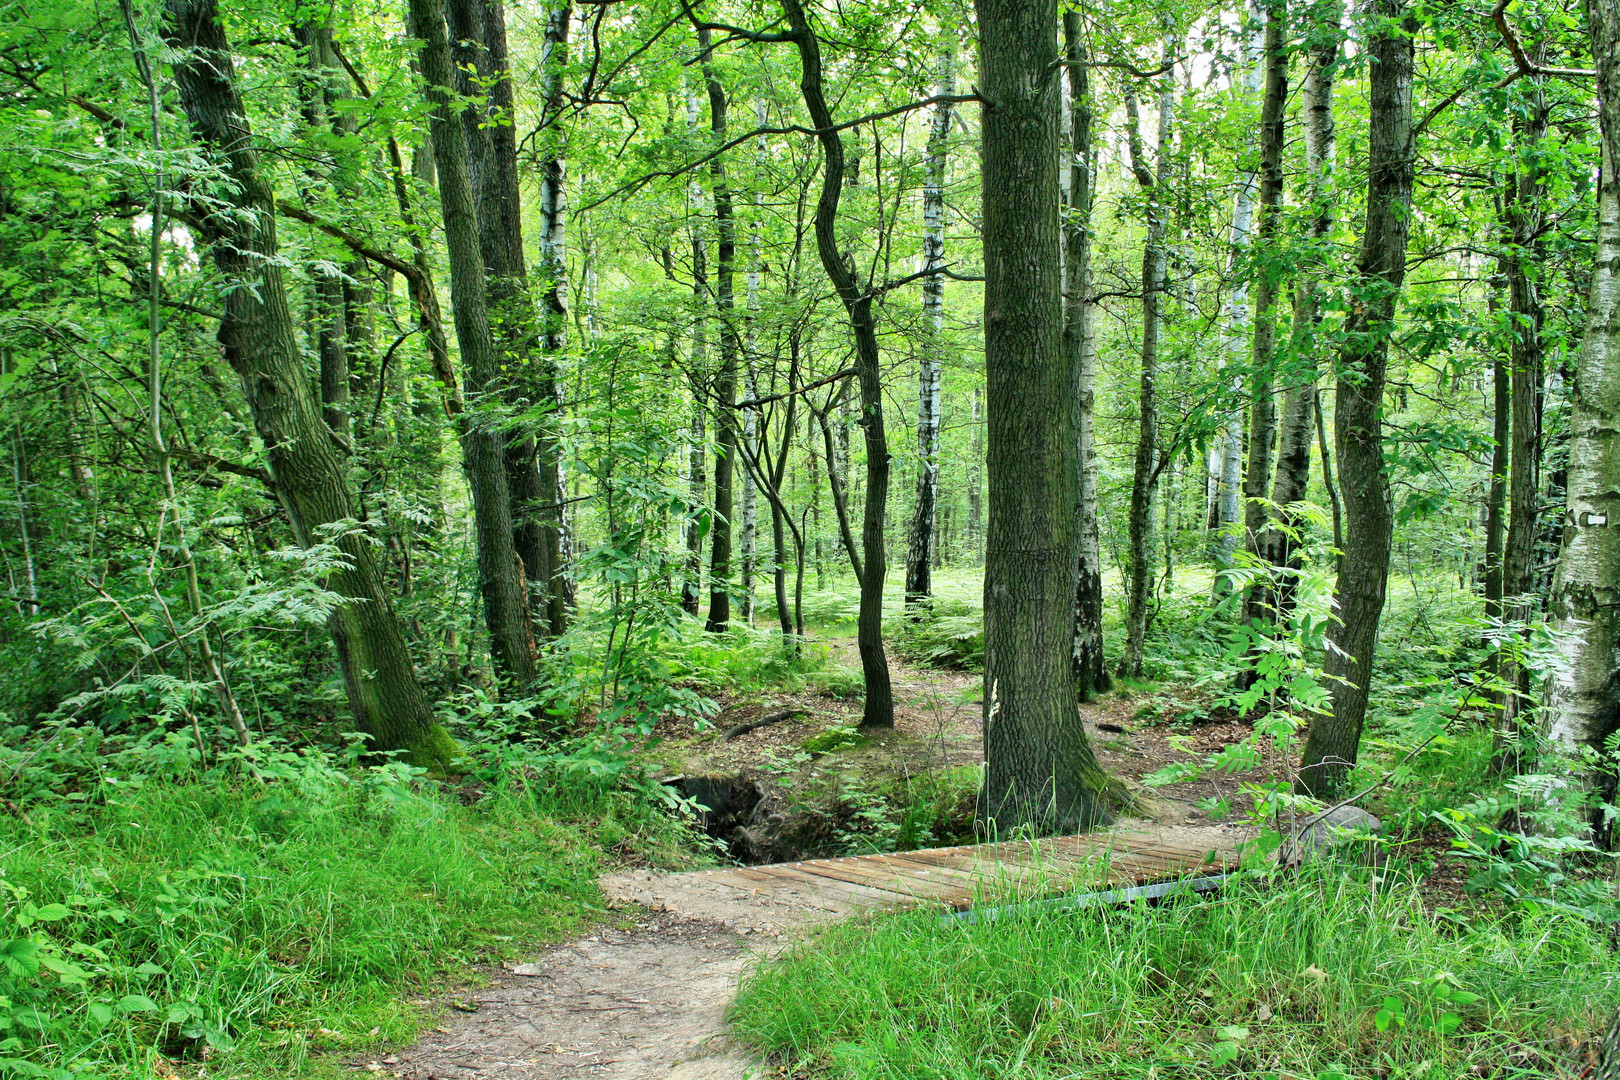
x=1345, y=831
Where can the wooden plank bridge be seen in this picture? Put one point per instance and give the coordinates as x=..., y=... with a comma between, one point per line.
x=952, y=878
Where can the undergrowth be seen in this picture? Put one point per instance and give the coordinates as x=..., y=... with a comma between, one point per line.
x=1320, y=978
x=279, y=905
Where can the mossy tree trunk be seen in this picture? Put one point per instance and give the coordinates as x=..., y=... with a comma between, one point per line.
x=1039, y=767
x=260, y=343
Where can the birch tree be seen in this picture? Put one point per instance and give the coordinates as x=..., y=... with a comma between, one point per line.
x=1080, y=342
x=1582, y=710
x=921, y=540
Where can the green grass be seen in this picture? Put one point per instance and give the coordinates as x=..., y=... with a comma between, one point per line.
x=275, y=922
x=1262, y=981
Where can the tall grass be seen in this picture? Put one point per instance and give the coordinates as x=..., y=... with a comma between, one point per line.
x=1281, y=981
x=250, y=925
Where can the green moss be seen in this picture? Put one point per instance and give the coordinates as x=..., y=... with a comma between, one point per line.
x=437, y=752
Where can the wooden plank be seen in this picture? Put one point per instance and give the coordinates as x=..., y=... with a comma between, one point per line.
x=863, y=895
x=853, y=871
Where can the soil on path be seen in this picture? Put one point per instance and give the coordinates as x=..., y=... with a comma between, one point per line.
x=646, y=1000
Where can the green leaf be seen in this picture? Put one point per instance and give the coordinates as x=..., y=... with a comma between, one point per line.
x=51, y=912
x=20, y=957
x=136, y=1003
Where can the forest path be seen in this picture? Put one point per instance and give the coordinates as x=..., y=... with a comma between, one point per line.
x=648, y=1002
x=646, y=999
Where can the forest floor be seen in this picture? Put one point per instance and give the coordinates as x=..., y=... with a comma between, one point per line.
x=645, y=997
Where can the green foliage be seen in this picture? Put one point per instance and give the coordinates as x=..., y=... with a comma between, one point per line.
x=280, y=904
x=832, y=739
x=1266, y=980
x=943, y=634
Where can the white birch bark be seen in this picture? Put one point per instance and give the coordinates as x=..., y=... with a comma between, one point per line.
x=750, y=433
x=922, y=541
x=1581, y=707
x=1235, y=339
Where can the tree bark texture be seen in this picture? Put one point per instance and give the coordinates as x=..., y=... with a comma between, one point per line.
x=1334, y=738
x=879, y=707
x=1300, y=422
x=484, y=76
x=1260, y=602
x=1240, y=237
x=1039, y=768
x=501, y=578
x=259, y=339
x=1155, y=256
x=1264, y=601
x=921, y=541
x=1523, y=261
x=1079, y=341
x=544, y=497
x=725, y=385
x=1583, y=709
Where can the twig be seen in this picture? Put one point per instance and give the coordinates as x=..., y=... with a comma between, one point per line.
x=764, y=721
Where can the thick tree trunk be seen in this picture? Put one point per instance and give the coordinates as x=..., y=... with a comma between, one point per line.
x=1139, y=568
x=1583, y=709
x=483, y=71
x=1334, y=738
x=725, y=386
x=1080, y=343
x=879, y=706
x=921, y=541
x=483, y=442
x=1039, y=768
x=259, y=338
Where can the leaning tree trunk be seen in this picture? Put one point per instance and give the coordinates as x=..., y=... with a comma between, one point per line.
x=1080, y=343
x=260, y=342
x=921, y=542
x=1039, y=768
x=725, y=386
x=1335, y=737
x=1139, y=568
x=879, y=708
x=1583, y=709
x=483, y=440
x=484, y=76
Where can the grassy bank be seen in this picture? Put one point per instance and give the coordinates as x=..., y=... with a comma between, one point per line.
x=1312, y=980
x=245, y=926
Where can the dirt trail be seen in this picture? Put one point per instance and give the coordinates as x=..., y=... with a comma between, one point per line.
x=629, y=1005
x=648, y=1001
